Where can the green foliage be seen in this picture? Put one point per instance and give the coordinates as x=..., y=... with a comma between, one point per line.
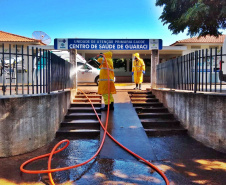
x=118, y=63
x=201, y=17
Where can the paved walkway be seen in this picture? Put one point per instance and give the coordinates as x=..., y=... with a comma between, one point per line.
x=125, y=127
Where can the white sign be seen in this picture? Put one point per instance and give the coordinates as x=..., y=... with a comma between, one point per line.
x=153, y=44
x=62, y=44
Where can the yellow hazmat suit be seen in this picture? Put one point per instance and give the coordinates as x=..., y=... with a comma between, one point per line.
x=103, y=80
x=138, y=68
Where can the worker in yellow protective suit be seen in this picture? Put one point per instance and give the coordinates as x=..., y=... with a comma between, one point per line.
x=138, y=70
x=103, y=79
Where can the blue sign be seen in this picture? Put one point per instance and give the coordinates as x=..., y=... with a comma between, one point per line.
x=108, y=44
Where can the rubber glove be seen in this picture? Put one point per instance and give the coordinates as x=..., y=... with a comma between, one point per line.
x=143, y=72
x=132, y=73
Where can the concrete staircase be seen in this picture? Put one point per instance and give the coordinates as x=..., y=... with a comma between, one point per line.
x=155, y=118
x=81, y=121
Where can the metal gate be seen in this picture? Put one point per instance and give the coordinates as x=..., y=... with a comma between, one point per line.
x=32, y=71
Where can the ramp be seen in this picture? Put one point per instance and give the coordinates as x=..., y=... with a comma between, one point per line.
x=124, y=125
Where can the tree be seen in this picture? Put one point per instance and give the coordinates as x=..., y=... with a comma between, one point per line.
x=201, y=17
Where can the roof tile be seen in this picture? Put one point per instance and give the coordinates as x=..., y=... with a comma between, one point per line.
x=207, y=39
x=9, y=37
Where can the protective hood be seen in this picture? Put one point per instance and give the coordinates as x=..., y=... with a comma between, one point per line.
x=108, y=54
x=136, y=55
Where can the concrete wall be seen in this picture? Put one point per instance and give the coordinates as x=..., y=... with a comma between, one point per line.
x=30, y=122
x=204, y=115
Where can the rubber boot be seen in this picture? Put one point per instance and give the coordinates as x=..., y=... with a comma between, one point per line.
x=136, y=86
x=112, y=106
x=139, y=86
x=105, y=108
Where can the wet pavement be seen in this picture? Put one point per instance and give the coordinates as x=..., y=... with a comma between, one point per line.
x=125, y=126
x=183, y=160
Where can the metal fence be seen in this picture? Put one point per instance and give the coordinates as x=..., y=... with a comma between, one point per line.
x=197, y=71
x=25, y=70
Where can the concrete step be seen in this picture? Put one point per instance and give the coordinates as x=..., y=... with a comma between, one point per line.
x=83, y=109
x=142, y=95
x=85, y=104
x=155, y=115
x=81, y=133
x=157, y=123
x=143, y=99
x=87, y=93
x=165, y=131
x=89, y=96
x=85, y=100
x=155, y=118
x=82, y=116
x=140, y=92
x=150, y=110
x=148, y=104
x=80, y=121
x=80, y=125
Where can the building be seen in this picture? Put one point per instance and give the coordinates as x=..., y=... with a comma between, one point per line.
x=12, y=39
x=16, y=45
x=123, y=58
x=195, y=43
x=209, y=53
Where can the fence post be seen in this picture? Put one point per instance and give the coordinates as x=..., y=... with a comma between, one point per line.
x=196, y=61
x=154, y=63
x=221, y=69
x=73, y=53
x=36, y=73
x=3, y=71
x=22, y=68
x=16, y=71
x=10, y=71
x=28, y=70
x=48, y=72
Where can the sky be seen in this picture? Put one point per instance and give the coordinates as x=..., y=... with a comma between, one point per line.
x=107, y=19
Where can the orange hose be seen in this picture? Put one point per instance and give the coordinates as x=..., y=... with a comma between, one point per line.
x=54, y=150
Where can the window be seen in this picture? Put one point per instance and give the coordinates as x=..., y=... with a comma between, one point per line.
x=5, y=48
x=147, y=65
x=79, y=64
x=84, y=66
x=19, y=48
x=196, y=47
x=213, y=47
x=120, y=64
x=93, y=63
